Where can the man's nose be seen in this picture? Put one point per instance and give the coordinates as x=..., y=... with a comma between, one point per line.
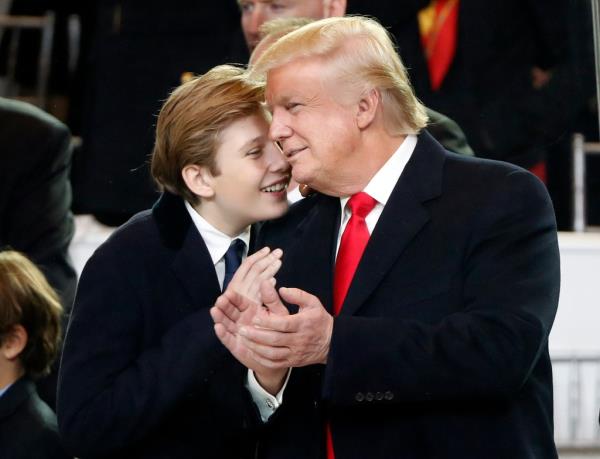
x=279, y=130
x=254, y=20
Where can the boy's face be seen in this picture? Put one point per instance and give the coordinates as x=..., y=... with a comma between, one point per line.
x=253, y=178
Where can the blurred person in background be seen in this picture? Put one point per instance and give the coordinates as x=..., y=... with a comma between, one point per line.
x=30, y=335
x=35, y=200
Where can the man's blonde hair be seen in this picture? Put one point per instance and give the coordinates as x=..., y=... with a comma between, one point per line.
x=361, y=55
x=27, y=299
x=191, y=121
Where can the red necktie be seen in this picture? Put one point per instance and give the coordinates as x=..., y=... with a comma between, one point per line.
x=438, y=24
x=352, y=245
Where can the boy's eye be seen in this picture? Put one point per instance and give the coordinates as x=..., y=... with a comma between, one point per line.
x=254, y=152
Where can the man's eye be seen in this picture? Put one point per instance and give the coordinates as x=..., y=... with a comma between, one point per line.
x=292, y=105
x=246, y=7
x=278, y=7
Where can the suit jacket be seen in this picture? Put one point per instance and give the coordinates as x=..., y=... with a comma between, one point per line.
x=35, y=192
x=440, y=349
x=488, y=90
x=27, y=425
x=142, y=373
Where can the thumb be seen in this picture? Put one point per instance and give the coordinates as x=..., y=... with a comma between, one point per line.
x=303, y=299
x=271, y=299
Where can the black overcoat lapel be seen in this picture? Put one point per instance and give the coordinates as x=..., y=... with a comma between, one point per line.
x=308, y=261
x=192, y=264
x=403, y=217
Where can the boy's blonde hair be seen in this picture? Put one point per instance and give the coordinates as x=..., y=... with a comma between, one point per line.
x=192, y=119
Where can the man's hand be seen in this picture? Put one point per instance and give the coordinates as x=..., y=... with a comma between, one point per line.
x=282, y=341
x=233, y=311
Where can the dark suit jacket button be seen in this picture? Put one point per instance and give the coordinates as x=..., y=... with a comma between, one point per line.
x=369, y=397
x=359, y=397
x=388, y=395
x=378, y=396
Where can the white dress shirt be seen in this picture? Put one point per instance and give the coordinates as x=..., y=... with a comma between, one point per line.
x=380, y=187
x=217, y=243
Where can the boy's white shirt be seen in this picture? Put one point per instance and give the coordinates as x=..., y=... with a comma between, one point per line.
x=217, y=244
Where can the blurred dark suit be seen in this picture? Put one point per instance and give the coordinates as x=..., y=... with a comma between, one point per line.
x=27, y=426
x=153, y=381
x=138, y=51
x=35, y=193
x=488, y=90
x=35, y=199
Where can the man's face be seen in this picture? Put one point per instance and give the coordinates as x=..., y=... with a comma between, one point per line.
x=251, y=185
x=318, y=135
x=257, y=12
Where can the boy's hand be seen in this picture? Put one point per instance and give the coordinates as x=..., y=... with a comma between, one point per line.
x=255, y=269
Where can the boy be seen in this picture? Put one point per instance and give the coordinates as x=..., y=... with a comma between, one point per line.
x=30, y=332
x=142, y=373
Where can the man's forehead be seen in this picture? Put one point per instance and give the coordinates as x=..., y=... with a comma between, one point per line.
x=288, y=3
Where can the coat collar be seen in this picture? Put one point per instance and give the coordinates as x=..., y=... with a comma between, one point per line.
x=15, y=396
x=192, y=263
x=403, y=217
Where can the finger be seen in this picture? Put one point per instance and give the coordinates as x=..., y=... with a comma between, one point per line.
x=270, y=263
x=221, y=319
x=248, y=263
x=300, y=297
x=224, y=336
x=267, y=363
x=227, y=307
x=269, y=271
x=268, y=352
x=251, y=284
x=239, y=301
x=265, y=336
x=271, y=299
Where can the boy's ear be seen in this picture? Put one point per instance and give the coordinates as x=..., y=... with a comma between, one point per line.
x=13, y=342
x=199, y=180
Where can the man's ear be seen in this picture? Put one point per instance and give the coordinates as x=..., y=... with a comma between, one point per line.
x=199, y=180
x=13, y=342
x=367, y=108
x=335, y=8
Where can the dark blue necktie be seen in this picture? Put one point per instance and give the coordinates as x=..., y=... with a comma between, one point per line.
x=233, y=259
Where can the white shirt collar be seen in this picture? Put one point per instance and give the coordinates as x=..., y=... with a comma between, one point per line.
x=216, y=241
x=382, y=184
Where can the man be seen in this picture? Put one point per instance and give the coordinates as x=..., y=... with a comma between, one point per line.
x=30, y=335
x=426, y=282
x=256, y=13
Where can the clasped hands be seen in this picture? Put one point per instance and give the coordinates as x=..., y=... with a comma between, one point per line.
x=254, y=325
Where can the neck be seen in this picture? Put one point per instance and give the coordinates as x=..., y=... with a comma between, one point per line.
x=227, y=226
x=10, y=371
x=374, y=151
